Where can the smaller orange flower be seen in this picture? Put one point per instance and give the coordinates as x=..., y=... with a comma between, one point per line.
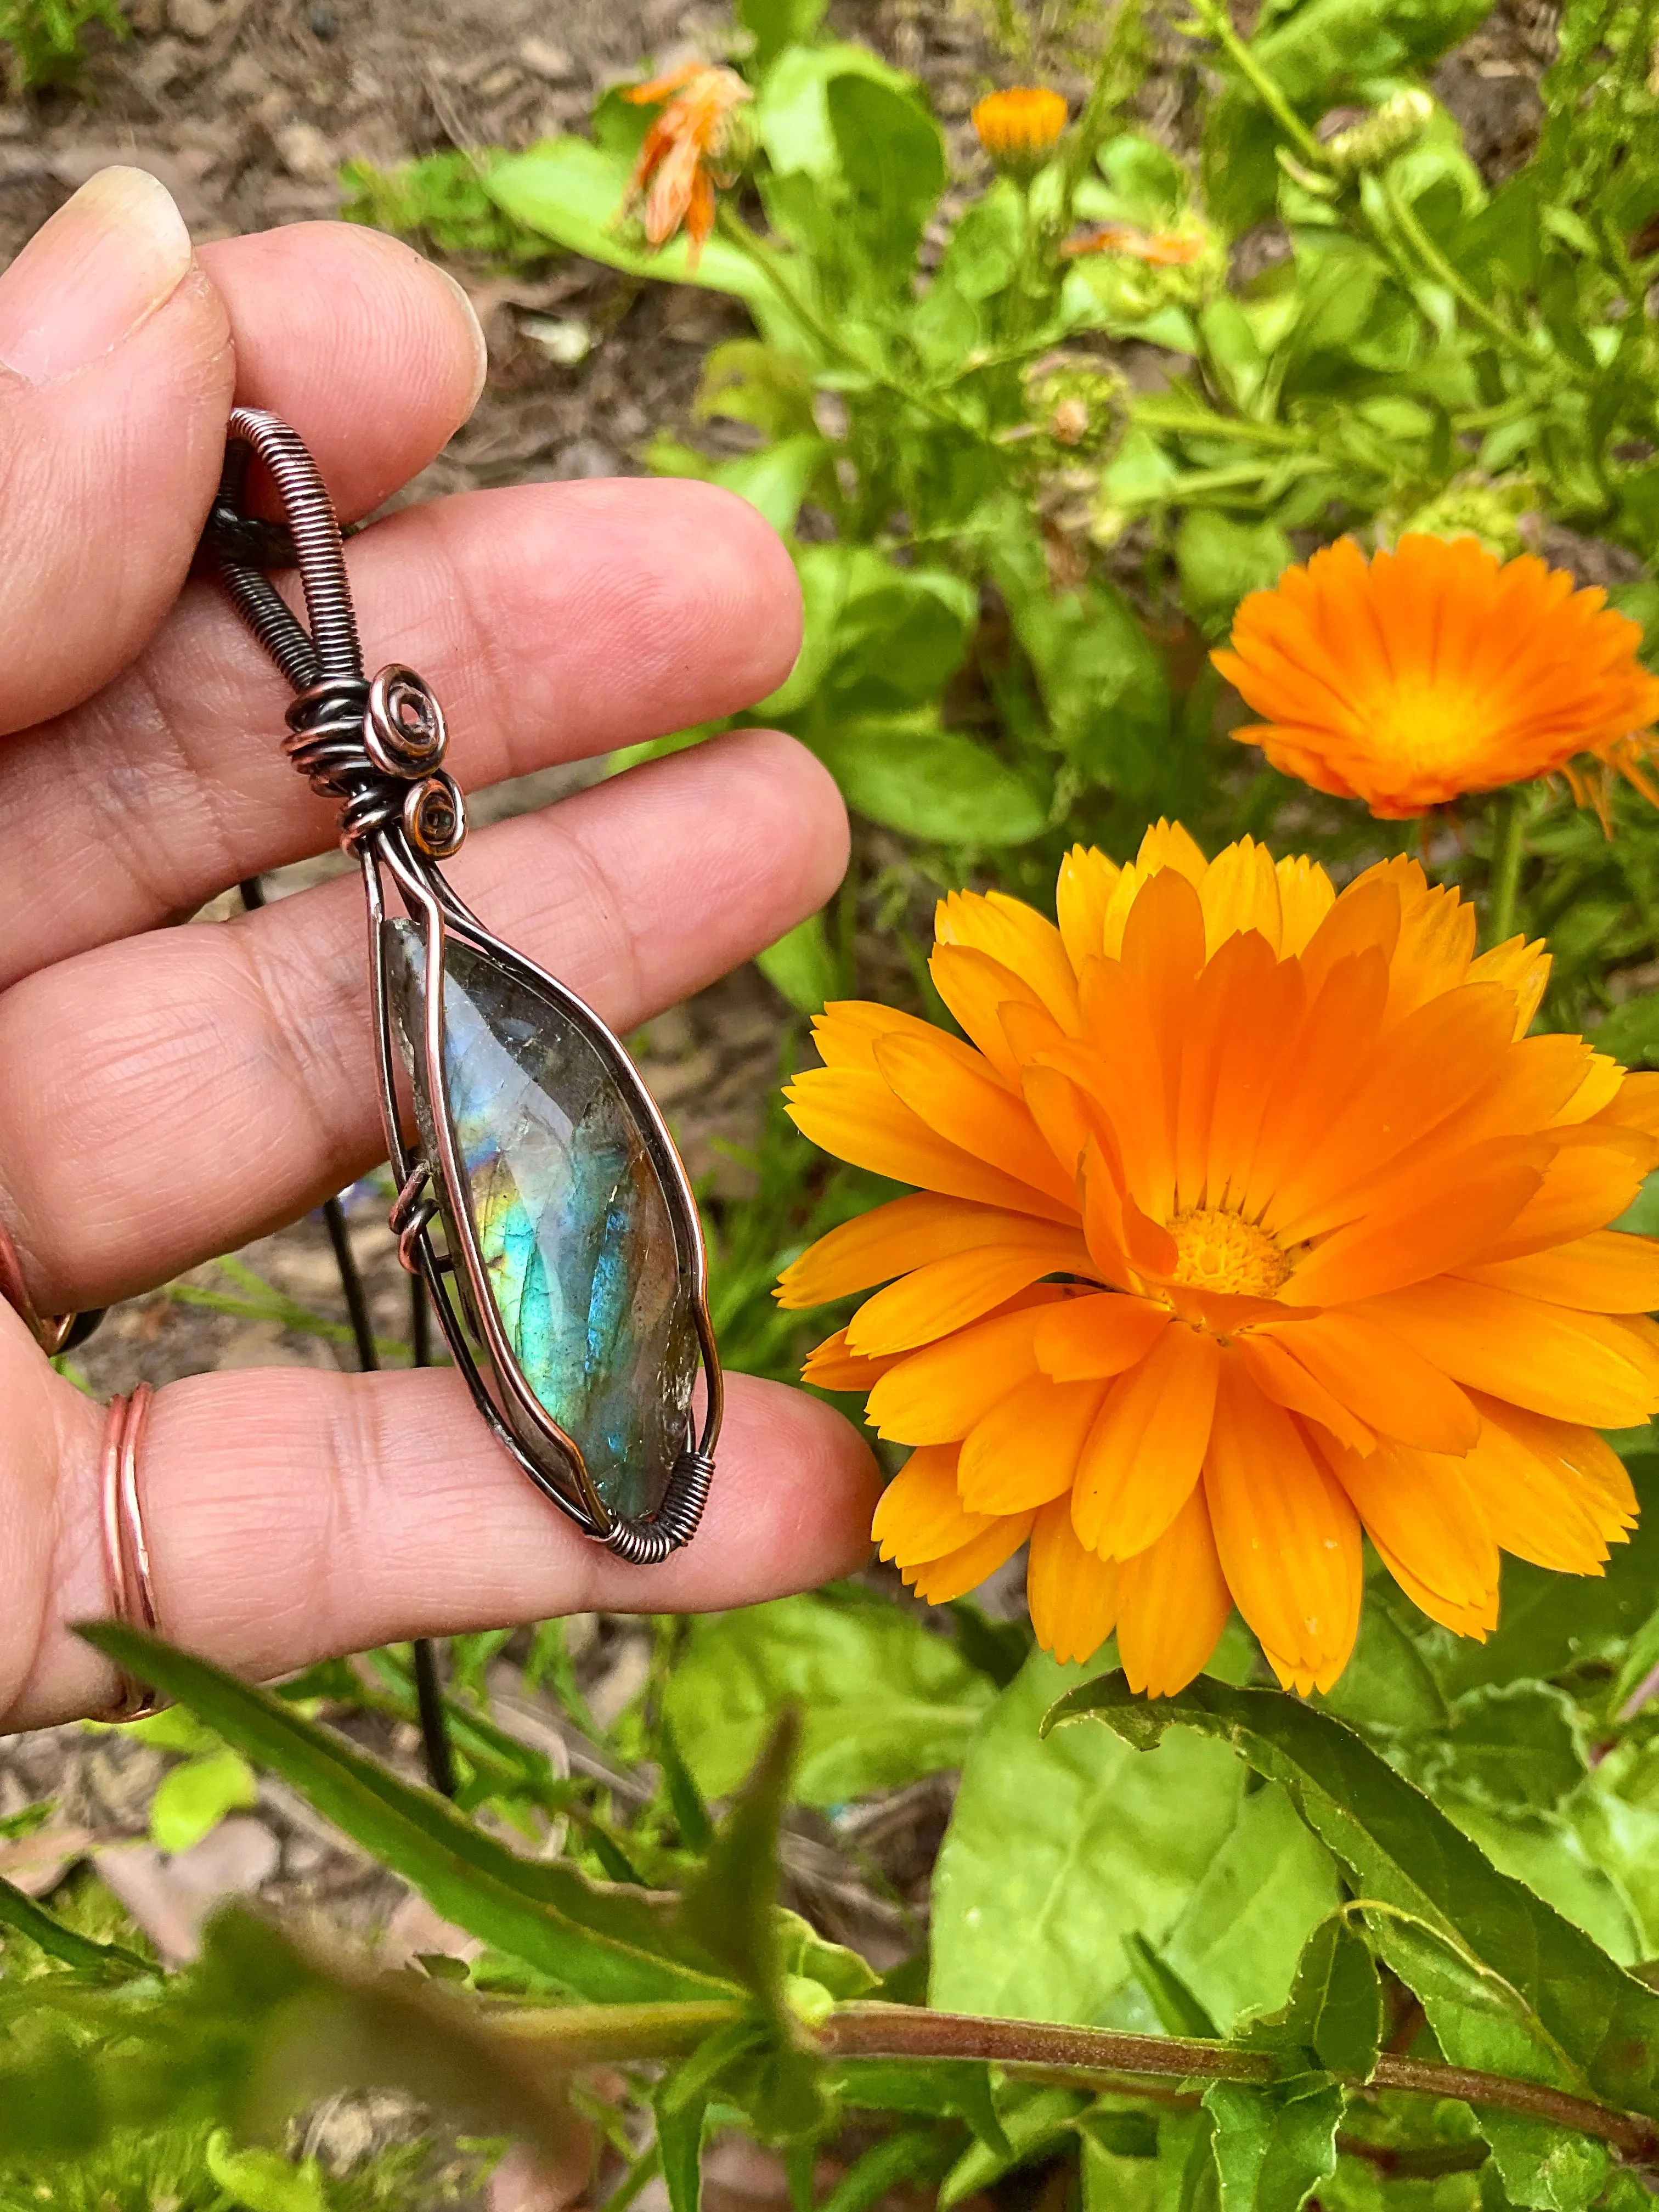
x=1412, y=678
x=1164, y=249
x=1019, y=128
x=688, y=151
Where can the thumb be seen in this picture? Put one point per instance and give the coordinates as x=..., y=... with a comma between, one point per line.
x=116, y=371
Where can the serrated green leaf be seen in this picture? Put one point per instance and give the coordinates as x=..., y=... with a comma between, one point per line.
x=884, y=1699
x=1555, y=2007
x=1274, y=2146
x=729, y=1901
x=609, y=1945
x=1516, y=1745
x=1335, y=2008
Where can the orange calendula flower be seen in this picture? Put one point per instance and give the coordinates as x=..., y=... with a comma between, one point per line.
x=1019, y=128
x=1163, y=249
x=1249, y=1219
x=688, y=151
x=1410, y=678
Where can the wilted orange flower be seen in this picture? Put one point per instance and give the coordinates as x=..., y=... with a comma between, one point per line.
x=1418, y=675
x=685, y=151
x=1020, y=127
x=1250, y=1218
x=1164, y=249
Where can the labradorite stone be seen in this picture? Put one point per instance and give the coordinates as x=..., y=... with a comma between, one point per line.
x=570, y=1216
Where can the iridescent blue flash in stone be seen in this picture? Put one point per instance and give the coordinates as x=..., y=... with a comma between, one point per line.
x=569, y=1213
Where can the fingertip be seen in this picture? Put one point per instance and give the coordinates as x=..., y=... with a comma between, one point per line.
x=372, y=352
x=799, y=1487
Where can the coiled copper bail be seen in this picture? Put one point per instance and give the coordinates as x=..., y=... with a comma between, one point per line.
x=126, y=1549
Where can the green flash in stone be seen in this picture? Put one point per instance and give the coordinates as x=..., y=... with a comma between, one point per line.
x=570, y=1217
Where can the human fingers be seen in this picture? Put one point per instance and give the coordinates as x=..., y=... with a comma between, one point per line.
x=115, y=376
x=553, y=621
x=290, y=1516
x=368, y=349
x=169, y=1097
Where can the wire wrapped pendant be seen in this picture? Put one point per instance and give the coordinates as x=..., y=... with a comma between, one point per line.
x=540, y=1195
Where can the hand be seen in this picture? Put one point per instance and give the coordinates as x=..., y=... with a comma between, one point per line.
x=166, y=1094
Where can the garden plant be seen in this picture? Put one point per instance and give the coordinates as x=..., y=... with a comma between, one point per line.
x=1242, y=1203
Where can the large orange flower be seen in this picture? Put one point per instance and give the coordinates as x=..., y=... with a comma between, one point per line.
x=688, y=151
x=1249, y=1217
x=1436, y=670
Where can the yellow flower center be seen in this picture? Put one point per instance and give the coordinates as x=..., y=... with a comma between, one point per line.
x=1217, y=1251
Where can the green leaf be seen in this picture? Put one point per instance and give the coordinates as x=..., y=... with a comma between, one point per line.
x=908, y=775
x=1274, y=2146
x=1075, y=1844
x=884, y=1699
x=1515, y=1745
x=1386, y=1684
x=610, y=1945
x=775, y=480
x=572, y=191
x=262, y=2181
x=109, y=1961
x=746, y=381
x=774, y=24
x=1631, y=1032
x=728, y=1902
x=801, y=965
x=1220, y=560
x=792, y=110
x=1178, y=2010
x=1268, y=1887
x=891, y=158
x=680, y=2124
x=1036, y=2121
x=1335, y=2008
x=938, y=2087
x=192, y=1799
x=1554, y=2007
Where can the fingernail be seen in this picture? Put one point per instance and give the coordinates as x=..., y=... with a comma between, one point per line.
x=105, y=263
x=480, y=350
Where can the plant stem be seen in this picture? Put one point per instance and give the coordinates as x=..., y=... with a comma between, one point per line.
x=1220, y=25
x=1091, y=2057
x=1508, y=848
x=1404, y=218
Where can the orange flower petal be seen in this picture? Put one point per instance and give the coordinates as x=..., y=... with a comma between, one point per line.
x=935, y=1396
x=1382, y=1380
x=1573, y=1366
x=1093, y=1338
x=889, y=1240
x=1585, y=1186
x=947, y=1294
x=1606, y=1272
x=847, y=1032
x=1173, y=1603
x=1087, y=879
x=1025, y=1451
x=971, y=1109
x=975, y=988
x=1018, y=937
x=1144, y=1454
x=1420, y=1234
x=939, y=1581
x=1240, y=891
x=1545, y=1486
x=1284, y=1379
x=831, y=1366
x=920, y=1516
x=854, y=1115
x=1072, y=1594
x=1423, y=1508
x=1286, y=1535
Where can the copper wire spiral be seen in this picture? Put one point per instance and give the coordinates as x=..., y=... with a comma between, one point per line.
x=647, y=1543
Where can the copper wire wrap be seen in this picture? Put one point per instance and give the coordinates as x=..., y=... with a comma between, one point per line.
x=127, y=1549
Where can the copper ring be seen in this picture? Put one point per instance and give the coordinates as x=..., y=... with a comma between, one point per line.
x=49, y=1331
x=126, y=1549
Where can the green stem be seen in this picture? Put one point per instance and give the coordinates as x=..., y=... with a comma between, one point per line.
x=1190, y=422
x=1405, y=220
x=1508, y=843
x=1220, y=25
x=575, y=2035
